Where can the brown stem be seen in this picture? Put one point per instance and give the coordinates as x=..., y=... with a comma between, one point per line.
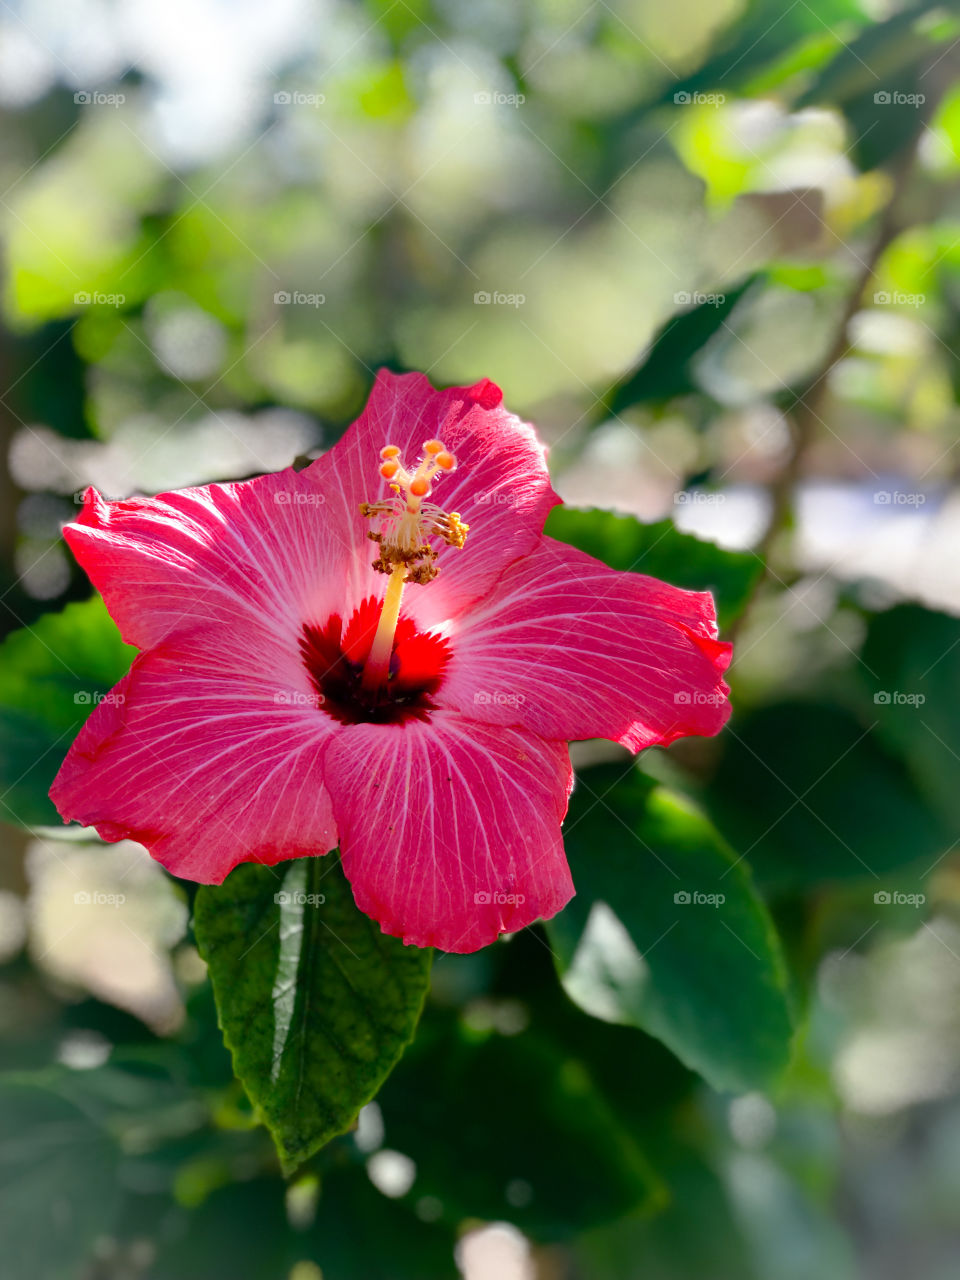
x=805, y=412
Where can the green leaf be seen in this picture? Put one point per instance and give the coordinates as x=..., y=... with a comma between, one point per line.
x=58, y=1182
x=669, y=1249
x=661, y=551
x=51, y=676
x=400, y=1246
x=666, y=368
x=356, y=1233
x=912, y=656
x=864, y=78
x=766, y=32
x=315, y=1003
x=808, y=794
x=512, y=1125
x=239, y=1230
x=666, y=932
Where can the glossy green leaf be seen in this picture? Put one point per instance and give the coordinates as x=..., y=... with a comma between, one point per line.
x=315, y=1003
x=666, y=932
x=661, y=551
x=911, y=663
x=809, y=795
x=51, y=676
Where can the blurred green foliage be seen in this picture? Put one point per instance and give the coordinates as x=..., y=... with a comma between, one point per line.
x=711, y=249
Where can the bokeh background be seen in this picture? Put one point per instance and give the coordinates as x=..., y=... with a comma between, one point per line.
x=710, y=248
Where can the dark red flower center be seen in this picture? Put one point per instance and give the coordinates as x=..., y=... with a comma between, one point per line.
x=334, y=655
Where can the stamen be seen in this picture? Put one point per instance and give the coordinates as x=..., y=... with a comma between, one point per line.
x=407, y=521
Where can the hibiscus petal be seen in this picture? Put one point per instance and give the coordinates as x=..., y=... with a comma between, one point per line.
x=450, y=831
x=264, y=551
x=569, y=648
x=500, y=488
x=205, y=766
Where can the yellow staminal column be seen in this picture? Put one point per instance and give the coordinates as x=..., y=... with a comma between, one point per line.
x=377, y=667
x=407, y=522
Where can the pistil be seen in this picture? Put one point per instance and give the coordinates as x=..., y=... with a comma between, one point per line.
x=376, y=670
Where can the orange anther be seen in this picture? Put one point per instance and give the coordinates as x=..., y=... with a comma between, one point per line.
x=390, y=451
x=433, y=446
x=419, y=488
x=446, y=461
x=389, y=470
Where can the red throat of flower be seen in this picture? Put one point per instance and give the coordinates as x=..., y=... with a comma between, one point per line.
x=376, y=667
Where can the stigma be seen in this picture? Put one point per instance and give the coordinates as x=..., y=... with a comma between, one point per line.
x=408, y=520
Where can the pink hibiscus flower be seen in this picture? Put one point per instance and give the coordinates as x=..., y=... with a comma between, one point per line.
x=299, y=687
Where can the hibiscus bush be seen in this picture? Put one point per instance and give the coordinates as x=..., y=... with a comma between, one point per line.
x=478, y=699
